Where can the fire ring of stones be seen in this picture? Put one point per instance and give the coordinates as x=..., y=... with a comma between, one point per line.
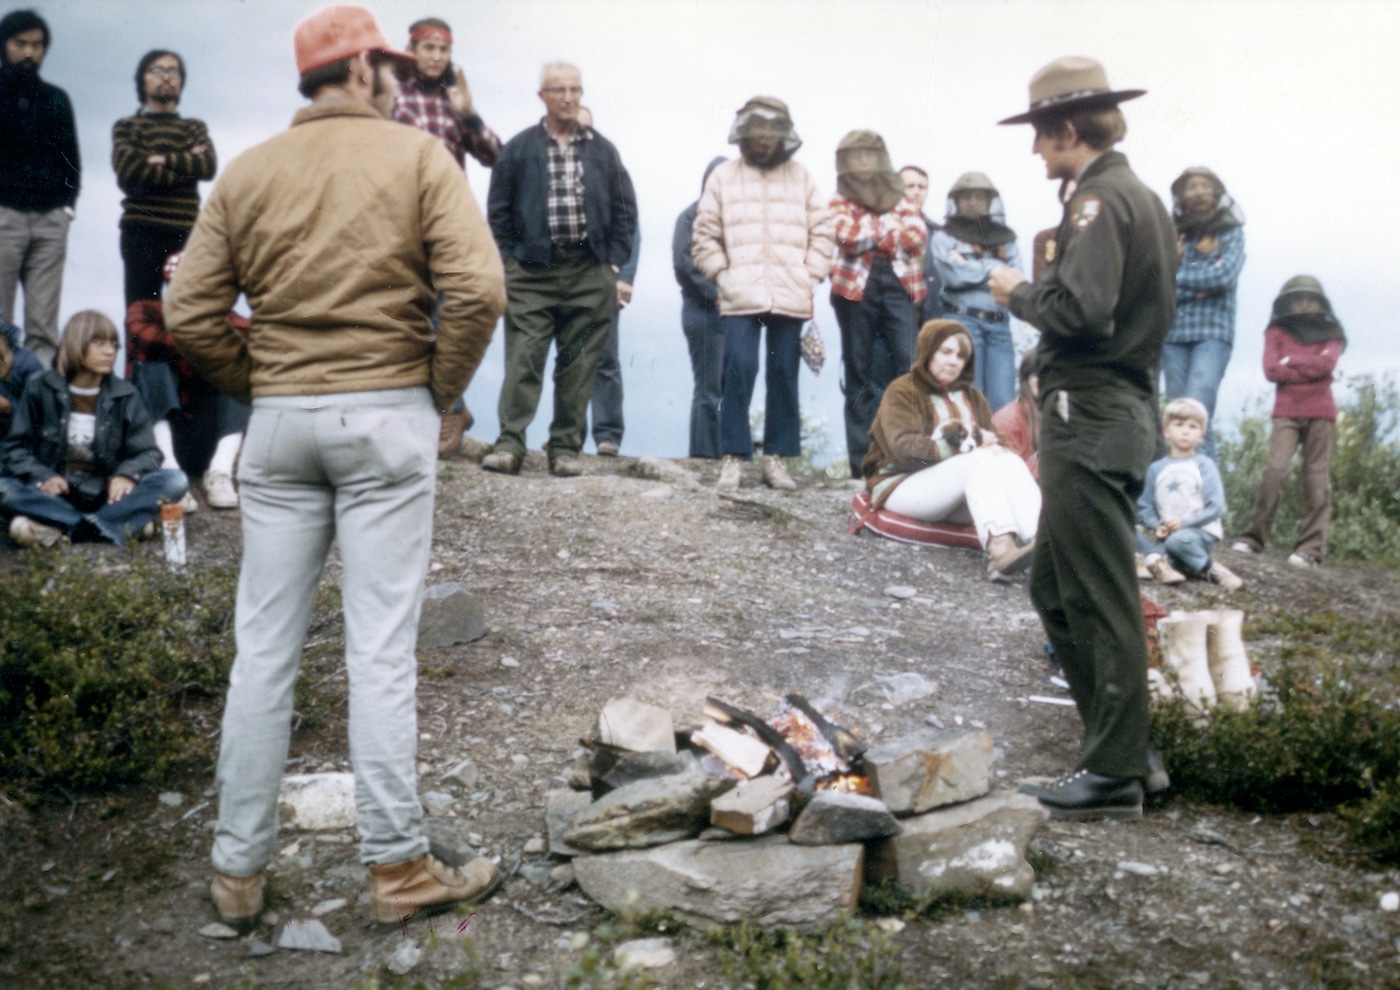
x=779, y=822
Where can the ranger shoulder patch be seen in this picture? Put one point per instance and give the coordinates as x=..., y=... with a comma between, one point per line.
x=1085, y=210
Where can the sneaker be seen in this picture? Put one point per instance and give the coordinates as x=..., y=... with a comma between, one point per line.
x=189, y=503
x=1224, y=577
x=219, y=491
x=239, y=900
x=730, y=471
x=1143, y=574
x=775, y=474
x=1303, y=560
x=1164, y=572
x=399, y=890
x=607, y=448
x=1240, y=546
x=565, y=465
x=28, y=533
x=453, y=425
x=502, y=462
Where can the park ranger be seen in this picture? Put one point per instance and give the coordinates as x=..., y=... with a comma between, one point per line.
x=1103, y=308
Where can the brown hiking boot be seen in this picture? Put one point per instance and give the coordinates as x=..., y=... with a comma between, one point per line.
x=239, y=900
x=450, y=434
x=398, y=891
x=1005, y=558
x=1164, y=572
x=502, y=462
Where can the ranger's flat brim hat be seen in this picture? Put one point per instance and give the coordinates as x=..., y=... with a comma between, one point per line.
x=1067, y=84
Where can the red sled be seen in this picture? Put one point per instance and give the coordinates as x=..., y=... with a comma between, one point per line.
x=896, y=527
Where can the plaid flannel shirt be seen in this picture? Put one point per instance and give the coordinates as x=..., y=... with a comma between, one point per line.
x=568, y=224
x=1205, y=290
x=148, y=340
x=426, y=106
x=861, y=234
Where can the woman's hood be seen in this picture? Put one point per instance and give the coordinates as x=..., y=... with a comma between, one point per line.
x=931, y=338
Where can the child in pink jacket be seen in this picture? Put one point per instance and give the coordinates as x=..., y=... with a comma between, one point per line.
x=1301, y=348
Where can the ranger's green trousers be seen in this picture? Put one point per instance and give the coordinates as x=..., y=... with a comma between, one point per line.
x=570, y=304
x=1083, y=581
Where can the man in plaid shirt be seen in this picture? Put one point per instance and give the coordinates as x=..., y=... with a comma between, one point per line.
x=563, y=213
x=434, y=97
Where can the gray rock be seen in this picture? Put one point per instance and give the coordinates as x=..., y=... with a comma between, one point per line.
x=561, y=807
x=536, y=871
x=436, y=802
x=647, y=813
x=326, y=907
x=217, y=929
x=610, y=769
x=834, y=818
x=307, y=935
x=405, y=957
x=317, y=801
x=172, y=799
x=931, y=769
x=901, y=591
x=644, y=953
x=464, y=775
x=768, y=882
x=974, y=849
x=1139, y=869
x=258, y=948
x=450, y=616
x=534, y=846
x=753, y=807
x=446, y=843
x=163, y=925
x=631, y=724
x=561, y=876
x=901, y=689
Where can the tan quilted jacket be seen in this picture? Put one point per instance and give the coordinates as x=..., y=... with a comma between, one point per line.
x=764, y=237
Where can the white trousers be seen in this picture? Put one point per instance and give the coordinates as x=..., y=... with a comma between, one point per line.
x=991, y=487
x=357, y=467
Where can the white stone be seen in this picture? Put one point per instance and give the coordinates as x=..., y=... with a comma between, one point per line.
x=901, y=591
x=316, y=802
x=1390, y=901
x=1138, y=869
x=405, y=957
x=901, y=689
x=644, y=953
x=217, y=929
x=307, y=935
x=436, y=803
x=326, y=907
x=172, y=799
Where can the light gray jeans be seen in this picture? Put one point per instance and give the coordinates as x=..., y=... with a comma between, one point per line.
x=32, y=249
x=358, y=467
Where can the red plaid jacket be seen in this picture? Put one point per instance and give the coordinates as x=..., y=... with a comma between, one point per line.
x=429, y=109
x=861, y=234
x=148, y=340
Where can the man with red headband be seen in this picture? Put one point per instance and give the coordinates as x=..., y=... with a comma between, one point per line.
x=434, y=97
x=343, y=232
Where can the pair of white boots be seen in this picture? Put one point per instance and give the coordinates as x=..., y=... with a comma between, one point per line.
x=1206, y=651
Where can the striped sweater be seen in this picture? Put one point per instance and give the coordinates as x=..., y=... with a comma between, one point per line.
x=162, y=195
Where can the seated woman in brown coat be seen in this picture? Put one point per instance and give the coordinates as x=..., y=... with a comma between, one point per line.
x=934, y=454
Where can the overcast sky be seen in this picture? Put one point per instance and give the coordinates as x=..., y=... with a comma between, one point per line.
x=1291, y=103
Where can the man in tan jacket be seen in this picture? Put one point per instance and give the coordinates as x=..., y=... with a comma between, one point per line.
x=341, y=232
x=763, y=235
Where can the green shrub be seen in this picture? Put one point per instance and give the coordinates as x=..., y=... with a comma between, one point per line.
x=1365, y=522
x=98, y=669
x=855, y=954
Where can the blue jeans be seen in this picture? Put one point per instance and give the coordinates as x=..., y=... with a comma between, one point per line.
x=995, y=356
x=877, y=344
x=606, y=401
x=704, y=335
x=1194, y=371
x=1188, y=550
x=781, y=426
x=114, y=522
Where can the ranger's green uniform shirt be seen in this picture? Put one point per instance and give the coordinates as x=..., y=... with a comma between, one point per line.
x=1106, y=302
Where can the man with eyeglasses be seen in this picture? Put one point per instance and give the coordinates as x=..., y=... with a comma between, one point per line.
x=40, y=174
x=160, y=158
x=563, y=211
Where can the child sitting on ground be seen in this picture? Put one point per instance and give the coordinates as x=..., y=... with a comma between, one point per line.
x=17, y=364
x=1182, y=503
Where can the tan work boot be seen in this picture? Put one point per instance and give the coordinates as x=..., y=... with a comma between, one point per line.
x=1005, y=558
x=1164, y=572
x=239, y=900
x=29, y=533
x=730, y=471
x=775, y=474
x=1224, y=577
x=1183, y=640
x=502, y=462
x=1229, y=663
x=398, y=891
x=566, y=465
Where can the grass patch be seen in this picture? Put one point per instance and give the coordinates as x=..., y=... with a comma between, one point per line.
x=854, y=954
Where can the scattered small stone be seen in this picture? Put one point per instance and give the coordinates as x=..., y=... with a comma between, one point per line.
x=450, y=616
x=890, y=926
x=464, y=775
x=172, y=799
x=326, y=907
x=901, y=591
x=163, y=925
x=520, y=759
x=49, y=865
x=258, y=948
x=217, y=929
x=437, y=803
x=405, y=957
x=307, y=935
x=107, y=877
x=1139, y=869
x=201, y=978
x=561, y=876
x=509, y=662
x=901, y=689
x=644, y=953
x=934, y=721
x=535, y=846
x=536, y=871
x=858, y=631
x=1390, y=901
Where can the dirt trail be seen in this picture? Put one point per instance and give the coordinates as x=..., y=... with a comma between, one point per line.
x=659, y=587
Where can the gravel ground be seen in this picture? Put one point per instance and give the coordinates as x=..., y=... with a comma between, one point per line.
x=639, y=578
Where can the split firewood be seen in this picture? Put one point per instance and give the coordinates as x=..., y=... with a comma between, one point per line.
x=754, y=807
x=743, y=752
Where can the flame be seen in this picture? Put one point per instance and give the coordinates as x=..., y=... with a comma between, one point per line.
x=849, y=783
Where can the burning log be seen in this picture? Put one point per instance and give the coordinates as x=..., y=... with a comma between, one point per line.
x=847, y=746
x=720, y=712
x=743, y=752
x=754, y=807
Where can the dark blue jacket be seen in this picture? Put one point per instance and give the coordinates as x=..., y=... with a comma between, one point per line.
x=24, y=366
x=515, y=206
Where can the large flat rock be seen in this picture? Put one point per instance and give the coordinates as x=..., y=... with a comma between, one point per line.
x=931, y=769
x=647, y=813
x=976, y=848
x=450, y=615
x=767, y=881
x=631, y=724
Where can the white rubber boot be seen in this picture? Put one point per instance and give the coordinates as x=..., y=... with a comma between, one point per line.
x=1184, y=650
x=1229, y=663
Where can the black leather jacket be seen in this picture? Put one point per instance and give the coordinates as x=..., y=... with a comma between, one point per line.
x=37, y=446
